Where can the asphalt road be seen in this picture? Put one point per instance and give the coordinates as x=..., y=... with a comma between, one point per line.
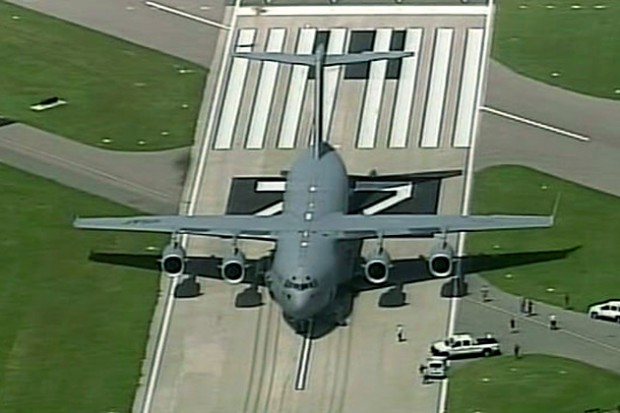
x=579, y=337
x=150, y=182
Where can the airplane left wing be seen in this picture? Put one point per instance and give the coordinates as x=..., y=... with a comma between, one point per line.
x=226, y=226
x=360, y=226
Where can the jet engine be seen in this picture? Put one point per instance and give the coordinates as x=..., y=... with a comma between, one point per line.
x=377, y=267
x=173, y=260
x=440, y=260
x=233, y=268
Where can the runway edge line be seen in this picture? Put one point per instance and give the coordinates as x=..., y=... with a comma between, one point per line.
x=443, y=387
x=165, y=323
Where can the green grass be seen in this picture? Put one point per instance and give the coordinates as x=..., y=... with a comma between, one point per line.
x=98, y=75
x=73, y=332
x=580, y=44
x=535, y=383
x=586, y=218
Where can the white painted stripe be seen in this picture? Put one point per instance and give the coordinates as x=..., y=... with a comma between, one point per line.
x=232, y=99
x=271, y=210
x=536, y=124
x=405, y=91
x=181, y=13
x=303, y=362
x=153, y=373
x=363, y=10
x=337, y=38
x=374, y=92
x=266, y=89
x=296, y=92
x=469, y=173
x=469, y=86
x=437, y=88
x=270, y=186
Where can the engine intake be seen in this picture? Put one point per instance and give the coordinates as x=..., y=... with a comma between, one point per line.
x=440, y=260
x=173, y=260
x=233, y=268
x=377, y=267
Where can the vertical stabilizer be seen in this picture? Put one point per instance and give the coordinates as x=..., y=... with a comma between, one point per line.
x=319, y=60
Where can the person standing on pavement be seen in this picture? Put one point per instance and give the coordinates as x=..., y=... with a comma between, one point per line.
x=400, y=333
x=523, y=305
x=553, y=322
x=422, y=371
x=530, y=307
x=484, y=292
x=513, y=325
x=517, y=351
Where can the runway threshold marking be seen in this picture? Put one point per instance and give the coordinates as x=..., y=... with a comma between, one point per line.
x=303, y=363
x=181, y=13
x=536, y=124
x=469, y=173
x=165, y=322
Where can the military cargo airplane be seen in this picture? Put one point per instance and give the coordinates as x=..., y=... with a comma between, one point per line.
x=314, y=235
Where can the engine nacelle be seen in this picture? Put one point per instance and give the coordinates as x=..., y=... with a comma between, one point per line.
x=173, y=260
x=377, y=267
x=440, y=260
x=233, y=268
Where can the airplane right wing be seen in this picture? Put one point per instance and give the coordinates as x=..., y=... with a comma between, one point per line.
x=361, y=226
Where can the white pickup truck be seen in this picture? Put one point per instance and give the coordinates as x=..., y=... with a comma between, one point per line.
x=464, y=345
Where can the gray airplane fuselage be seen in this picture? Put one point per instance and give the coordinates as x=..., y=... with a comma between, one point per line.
x=308, y=267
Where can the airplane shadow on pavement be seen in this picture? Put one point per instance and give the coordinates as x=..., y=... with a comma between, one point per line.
x=404, y=272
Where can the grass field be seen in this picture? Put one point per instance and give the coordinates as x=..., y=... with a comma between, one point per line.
x=581, y=44
x=586, y=218
x=115, y=90
x=73, y=332
x=535, y=383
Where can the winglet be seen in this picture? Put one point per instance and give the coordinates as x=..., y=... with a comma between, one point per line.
x=556, y=205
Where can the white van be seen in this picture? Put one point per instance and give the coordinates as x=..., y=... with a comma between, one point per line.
x=609, y=310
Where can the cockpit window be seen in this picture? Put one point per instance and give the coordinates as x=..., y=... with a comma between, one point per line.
x=300, y=285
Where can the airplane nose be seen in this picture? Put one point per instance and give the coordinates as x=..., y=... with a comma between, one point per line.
x=298, y=305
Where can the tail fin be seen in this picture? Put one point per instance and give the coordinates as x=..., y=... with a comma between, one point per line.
x=319, y=59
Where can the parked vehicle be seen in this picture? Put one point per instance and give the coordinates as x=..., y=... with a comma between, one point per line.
x=609, y=310
x=436, y=368
x=464, y=345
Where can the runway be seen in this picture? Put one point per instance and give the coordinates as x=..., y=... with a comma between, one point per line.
x=413, y=118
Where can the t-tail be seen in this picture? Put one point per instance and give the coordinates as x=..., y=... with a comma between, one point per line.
x=319, y=60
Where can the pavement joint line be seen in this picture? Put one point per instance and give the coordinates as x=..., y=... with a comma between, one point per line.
x=543, y=324
x=165, y=322
x=535, y=124
x=454, y=301
x=181, y=13
x=68, y=162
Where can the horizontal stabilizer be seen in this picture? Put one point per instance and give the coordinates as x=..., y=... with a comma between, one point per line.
x=289, y=58
x=362, y=186
x=349, y=59
x=330, y=60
